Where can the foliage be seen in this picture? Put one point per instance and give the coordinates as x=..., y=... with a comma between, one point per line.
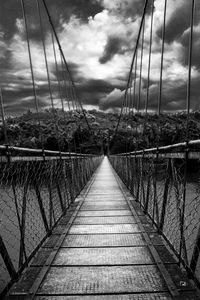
x=67, y=131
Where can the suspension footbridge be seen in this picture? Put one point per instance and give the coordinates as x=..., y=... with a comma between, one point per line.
x=105, y=248
x=80, y=225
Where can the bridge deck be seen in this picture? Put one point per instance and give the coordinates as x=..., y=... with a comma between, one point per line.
x=104, y=248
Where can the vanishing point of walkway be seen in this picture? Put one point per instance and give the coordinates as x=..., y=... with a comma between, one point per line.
x=104, y=248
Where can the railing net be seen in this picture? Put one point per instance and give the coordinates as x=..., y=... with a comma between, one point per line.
x=168, y=191
x=35, y=193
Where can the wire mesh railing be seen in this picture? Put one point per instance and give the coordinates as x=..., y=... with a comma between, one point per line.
x=37, y=187
x=165, y=182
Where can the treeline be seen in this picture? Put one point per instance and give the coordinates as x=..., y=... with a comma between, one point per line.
x=51, y=129
x=141, y=132
x=55, y=130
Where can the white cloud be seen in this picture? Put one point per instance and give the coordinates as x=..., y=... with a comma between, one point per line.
x=84, y=43
x=113, y=99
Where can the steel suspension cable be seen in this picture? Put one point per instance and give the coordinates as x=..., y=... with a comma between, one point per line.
x=30, y=56
x=57, y=73
x=188, y=100
x=155, y=168
x=65, y=79
x=64, y=60
x=131, y=93
x=77, y=104
x=126, y=121
x=48, y=73
x=59, y=85
x=148, y=71
x=150, y=53
x=134, y=92
x=31, y=66
x=162, y=59
x=56, y=119
x=141, y=66
x=130, y=106
x=130, y=112
x=65, y=83
x=190, y=68
x=132, y=63
x=71, y=94
x=45, y=53
x=135, y=78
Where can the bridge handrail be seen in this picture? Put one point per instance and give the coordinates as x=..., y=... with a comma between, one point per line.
x=185, y=145
x=10, y=149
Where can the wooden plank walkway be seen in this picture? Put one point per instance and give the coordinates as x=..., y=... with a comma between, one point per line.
x=104, y=248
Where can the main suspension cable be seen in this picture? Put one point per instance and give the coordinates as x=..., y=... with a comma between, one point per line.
x=31, y=68
x=132, y=64
x=65, y=62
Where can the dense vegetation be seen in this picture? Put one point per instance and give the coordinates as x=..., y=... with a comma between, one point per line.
x=55, y=130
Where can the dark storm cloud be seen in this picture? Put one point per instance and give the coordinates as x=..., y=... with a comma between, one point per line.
x=23, y=105
x=113, y=46
x=11, y=95
x=91, y=91
x=62, y=72
x=81, y=8
x=179, y=20
x=184, y=56
x=120, y=44
x=96, y=85
x=9, y=12
x=135, y=7
x=127, y=8
x=90, y=98
x=174, y=96
x=59, y=9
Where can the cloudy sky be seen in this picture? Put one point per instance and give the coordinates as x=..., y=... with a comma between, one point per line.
x=98, y=39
